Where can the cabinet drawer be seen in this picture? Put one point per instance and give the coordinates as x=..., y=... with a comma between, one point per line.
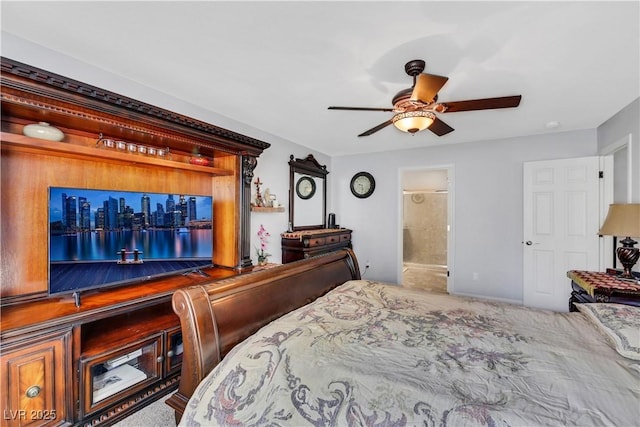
x=338, y=238
x=34, y=381
x=333, y=239
x=312, y=242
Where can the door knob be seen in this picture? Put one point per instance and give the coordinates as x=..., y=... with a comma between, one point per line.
x=528, y=243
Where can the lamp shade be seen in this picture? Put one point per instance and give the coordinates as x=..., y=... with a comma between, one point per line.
x=622, y=220
x=413, y=121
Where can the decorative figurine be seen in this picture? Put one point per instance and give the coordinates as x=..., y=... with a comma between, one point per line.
x=259, y=199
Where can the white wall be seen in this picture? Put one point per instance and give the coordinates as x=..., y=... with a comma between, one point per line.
x=487, y=206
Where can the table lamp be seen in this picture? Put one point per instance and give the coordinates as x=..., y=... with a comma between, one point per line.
x=623, y=220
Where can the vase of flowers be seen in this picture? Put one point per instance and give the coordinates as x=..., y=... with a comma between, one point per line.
x=263, y=256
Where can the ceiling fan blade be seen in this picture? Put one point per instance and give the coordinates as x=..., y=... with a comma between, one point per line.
x=483, y=104
x=360, y=108
x=440, y=128
x=427, y=86
x=377, y=128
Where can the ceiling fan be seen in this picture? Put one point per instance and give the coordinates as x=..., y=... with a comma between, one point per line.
x=415, y=107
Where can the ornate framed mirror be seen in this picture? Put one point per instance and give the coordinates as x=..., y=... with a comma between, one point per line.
x=307, y=193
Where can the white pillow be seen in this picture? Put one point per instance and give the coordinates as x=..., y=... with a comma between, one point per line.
x=621, y=323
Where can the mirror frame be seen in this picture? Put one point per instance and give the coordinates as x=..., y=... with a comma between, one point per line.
x=307, y=166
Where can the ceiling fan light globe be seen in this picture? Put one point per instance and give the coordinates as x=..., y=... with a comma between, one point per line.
x=413, y=121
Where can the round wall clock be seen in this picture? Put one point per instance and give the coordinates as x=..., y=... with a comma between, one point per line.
x=305, y=187
x=362, y=185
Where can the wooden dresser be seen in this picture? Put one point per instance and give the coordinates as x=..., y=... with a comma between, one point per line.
x=307, y=243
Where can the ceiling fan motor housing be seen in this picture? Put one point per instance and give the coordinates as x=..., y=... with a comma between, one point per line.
x=401, y=96
x=402, y=102
x=415, y=67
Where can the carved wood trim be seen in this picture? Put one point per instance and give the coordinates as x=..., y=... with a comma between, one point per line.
x=63, y=89
x=249, y=164
x=309, y=165
x=131, y=405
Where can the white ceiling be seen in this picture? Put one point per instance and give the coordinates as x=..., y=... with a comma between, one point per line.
x=277, y=66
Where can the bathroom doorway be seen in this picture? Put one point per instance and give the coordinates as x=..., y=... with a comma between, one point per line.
x=426, y=228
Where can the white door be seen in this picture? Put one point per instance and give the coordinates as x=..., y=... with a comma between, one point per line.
x=561, y=222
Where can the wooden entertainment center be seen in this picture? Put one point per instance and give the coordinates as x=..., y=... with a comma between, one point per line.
x=57, y=351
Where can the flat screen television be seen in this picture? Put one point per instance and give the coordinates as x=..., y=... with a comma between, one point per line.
x=101, y=238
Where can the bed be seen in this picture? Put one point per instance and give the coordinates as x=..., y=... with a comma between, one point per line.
x=327, y=348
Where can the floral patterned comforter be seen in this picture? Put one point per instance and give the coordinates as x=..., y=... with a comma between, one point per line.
x=373, y=354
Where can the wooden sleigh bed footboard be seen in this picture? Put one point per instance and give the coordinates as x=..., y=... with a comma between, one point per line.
x=214, y=317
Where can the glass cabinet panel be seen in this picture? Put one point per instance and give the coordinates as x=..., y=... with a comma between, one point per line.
x=173, y=360
x=108, y=375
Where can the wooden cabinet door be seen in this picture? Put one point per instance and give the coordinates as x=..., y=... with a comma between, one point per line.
x=173, y=351
x=34, y=381
x=103, y=382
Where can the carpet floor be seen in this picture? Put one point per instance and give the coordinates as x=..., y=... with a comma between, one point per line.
x=427, y=277
x=157, y=414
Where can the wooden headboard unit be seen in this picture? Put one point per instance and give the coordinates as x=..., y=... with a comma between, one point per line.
x=215, y=317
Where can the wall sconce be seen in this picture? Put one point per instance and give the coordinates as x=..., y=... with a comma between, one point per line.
x=623, y=220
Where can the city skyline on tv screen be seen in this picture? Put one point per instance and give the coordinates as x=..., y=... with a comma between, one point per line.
x=132, y=200
x=103, y=237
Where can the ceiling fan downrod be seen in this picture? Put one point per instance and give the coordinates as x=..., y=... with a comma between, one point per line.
x=414, y=68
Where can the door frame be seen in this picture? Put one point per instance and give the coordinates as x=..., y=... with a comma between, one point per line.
x=450, y=168
x=608, y=254
x=608, y=153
